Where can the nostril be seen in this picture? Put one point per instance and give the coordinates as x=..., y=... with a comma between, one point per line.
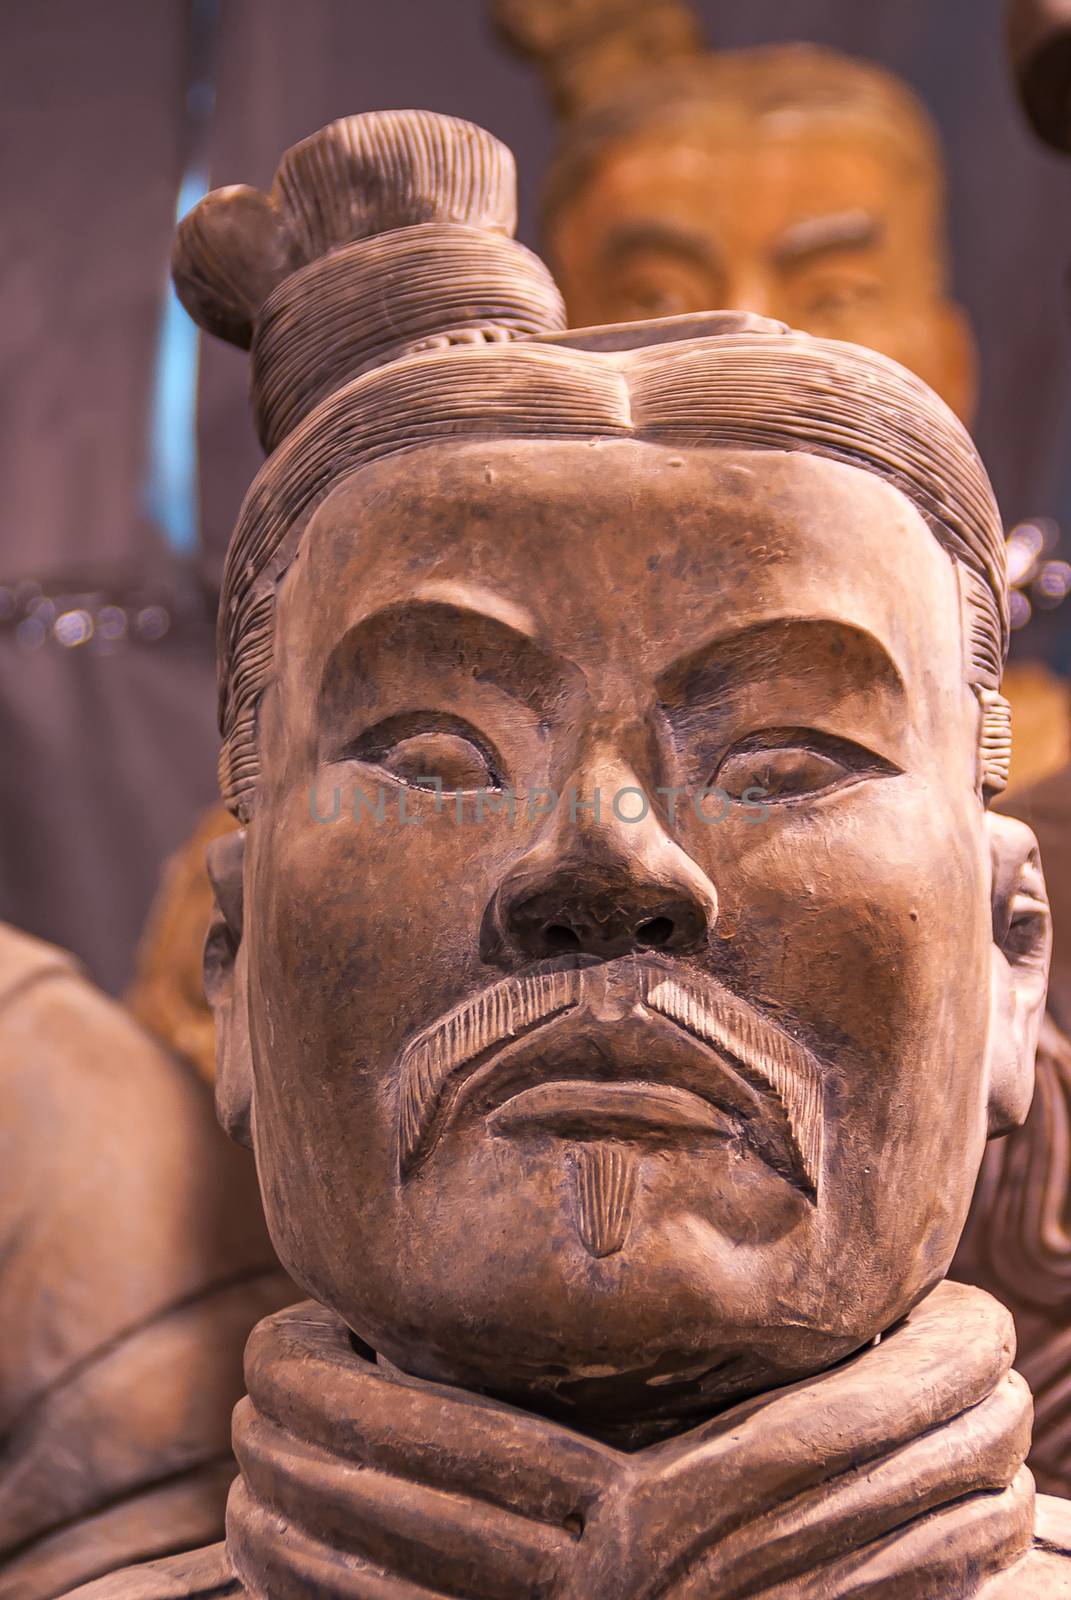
x=656, y=931
x=557, y=938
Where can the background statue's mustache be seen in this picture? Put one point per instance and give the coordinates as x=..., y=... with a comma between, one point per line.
x=436, y=1063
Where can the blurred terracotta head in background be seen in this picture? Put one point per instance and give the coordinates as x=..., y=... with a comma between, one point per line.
x=788, y=180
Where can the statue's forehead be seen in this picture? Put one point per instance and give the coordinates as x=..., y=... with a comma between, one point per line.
x=613, y=536
x=699, y=168
x=797, y=130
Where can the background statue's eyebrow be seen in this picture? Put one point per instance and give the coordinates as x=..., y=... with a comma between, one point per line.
x=630, y=238
x=839, y=230
x=437, y=636
x=830, y=648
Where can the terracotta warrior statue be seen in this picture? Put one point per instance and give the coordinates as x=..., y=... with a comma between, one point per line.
x=787, y=180
x=619, y=970
x=811, y=187
x=133, y=1263
x=1018, y=1237
x=1017, y=1242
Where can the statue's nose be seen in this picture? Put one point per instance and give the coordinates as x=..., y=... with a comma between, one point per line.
x=600, y=886
x=600, y=918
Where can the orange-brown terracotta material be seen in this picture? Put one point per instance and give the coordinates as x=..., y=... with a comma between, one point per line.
x=1041, y=717
x=620, y=969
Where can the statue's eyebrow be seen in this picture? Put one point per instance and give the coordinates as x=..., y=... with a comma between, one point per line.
x=775, y=646
x=814, y=236
x=440, y=634
x=630, y=238
x=476, y=598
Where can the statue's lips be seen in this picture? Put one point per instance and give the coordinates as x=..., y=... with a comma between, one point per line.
x=585, y=1075
x=580, y=1052
x=593, y=1110
x=632, y=1048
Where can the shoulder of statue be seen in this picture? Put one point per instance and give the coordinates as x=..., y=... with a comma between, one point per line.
x=201, y=1575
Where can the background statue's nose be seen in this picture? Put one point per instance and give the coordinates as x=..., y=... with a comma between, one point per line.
x=600, y=890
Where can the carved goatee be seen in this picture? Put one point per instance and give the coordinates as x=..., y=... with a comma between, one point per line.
x=605, y=1180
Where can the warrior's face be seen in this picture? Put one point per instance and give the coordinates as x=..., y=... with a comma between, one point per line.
x=676, y=1087
x=821, y=222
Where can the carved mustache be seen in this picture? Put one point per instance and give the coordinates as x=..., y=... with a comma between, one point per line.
x=435, y=1065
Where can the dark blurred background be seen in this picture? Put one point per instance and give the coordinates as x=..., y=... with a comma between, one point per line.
x=114, y=528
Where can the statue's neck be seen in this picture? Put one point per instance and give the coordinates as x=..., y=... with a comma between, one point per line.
x=426, y=1485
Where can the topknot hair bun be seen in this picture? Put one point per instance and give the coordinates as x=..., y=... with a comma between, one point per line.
x=382, y=235
x=229, y=253
x=355, y=178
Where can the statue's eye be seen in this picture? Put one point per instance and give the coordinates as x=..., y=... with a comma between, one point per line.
x=657, y=285
x=789, y=771
x=841, y=299
x=434, y=759
x=429, y=750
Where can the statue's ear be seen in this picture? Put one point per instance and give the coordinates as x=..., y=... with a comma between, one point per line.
x=225, y=987
x=1022, y=944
